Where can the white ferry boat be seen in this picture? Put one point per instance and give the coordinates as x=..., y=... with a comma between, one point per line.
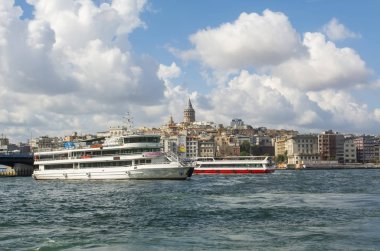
x=124, y=157
x=234, y=165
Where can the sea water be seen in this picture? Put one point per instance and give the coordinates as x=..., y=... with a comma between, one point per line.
x=286, y=210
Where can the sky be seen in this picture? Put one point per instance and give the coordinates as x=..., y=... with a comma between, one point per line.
x=80, y=65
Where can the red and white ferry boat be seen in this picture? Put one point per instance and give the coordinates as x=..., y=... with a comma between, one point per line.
x=234, y=165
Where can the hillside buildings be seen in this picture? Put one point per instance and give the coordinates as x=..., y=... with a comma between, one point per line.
x=7, y=147
x=191, y=139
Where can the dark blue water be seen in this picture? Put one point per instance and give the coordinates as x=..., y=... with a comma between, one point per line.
x=287, y=210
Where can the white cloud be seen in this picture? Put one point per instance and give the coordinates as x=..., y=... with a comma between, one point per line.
x=299, y=81
x=270, y=44
x=337, y=31
x=251, y=41
x=40, y=35
x=250, y=96
x=175, y=95
x=73, y=68
x=377, y=114
x=262, y=100
x=168, y=72
x=343, y=111
x=70, y=61
x=325, y=66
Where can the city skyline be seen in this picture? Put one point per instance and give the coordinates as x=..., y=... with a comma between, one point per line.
x=80, y=65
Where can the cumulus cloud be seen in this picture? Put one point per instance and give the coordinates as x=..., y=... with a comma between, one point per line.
x=343, y=111
x=301, y=75
x=70, y=61
x=175, y=94
x=168, y=72
x=324, y=66
x=253, y=40
x=337, y=31
x=251, y=96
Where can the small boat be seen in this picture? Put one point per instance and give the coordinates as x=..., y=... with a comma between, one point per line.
x=125, y=157
x=234, y=165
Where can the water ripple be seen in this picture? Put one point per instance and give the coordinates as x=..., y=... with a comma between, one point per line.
x=289, y=210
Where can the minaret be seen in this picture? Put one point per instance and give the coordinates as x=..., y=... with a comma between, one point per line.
x=189, y=114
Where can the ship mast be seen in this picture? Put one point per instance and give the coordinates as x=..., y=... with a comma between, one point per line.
x=128, y=123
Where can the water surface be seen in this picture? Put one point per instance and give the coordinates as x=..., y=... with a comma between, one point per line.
x=287, y=210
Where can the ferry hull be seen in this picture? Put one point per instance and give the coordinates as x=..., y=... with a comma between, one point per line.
x=232, y=171
x=144, y=173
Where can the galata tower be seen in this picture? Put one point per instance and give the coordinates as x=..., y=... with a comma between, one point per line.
x=189, y=114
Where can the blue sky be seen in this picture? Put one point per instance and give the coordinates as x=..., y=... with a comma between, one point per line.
x=308, y=65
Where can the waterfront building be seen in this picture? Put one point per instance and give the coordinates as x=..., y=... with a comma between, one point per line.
x=340, y=148
x=377, y=151
x=331, y=146
x=349, y=151
x=365, y=148
x=206, y=148
x=280, y=144
x=189, y=114
x=302, y=149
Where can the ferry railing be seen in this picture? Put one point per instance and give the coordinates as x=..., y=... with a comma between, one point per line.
x=174, y=157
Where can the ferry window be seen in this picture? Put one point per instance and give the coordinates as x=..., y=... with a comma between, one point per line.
x=96, y=153
x=111, y=152
x=59, y=166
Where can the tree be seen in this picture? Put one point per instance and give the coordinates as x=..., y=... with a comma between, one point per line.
x=282, y=158
x=245, y=149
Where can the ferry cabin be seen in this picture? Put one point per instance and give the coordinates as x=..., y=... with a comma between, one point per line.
x=128, y=151
x=234, y=165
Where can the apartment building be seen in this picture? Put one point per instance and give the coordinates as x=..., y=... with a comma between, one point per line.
x=365, y=148
x=349, y=151
x=191, y=147
x=279, y=146
x=302, y=149
x=206, y=148
x=331, y=146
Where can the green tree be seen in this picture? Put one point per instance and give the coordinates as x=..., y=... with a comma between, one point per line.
x=282, y=158
x=245, y=149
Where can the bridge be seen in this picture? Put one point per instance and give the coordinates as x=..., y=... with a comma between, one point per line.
x=21, y=163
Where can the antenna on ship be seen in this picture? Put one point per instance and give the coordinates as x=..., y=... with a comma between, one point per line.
x=128, y=121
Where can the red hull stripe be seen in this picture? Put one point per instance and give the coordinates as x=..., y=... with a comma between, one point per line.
x=230, y=171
